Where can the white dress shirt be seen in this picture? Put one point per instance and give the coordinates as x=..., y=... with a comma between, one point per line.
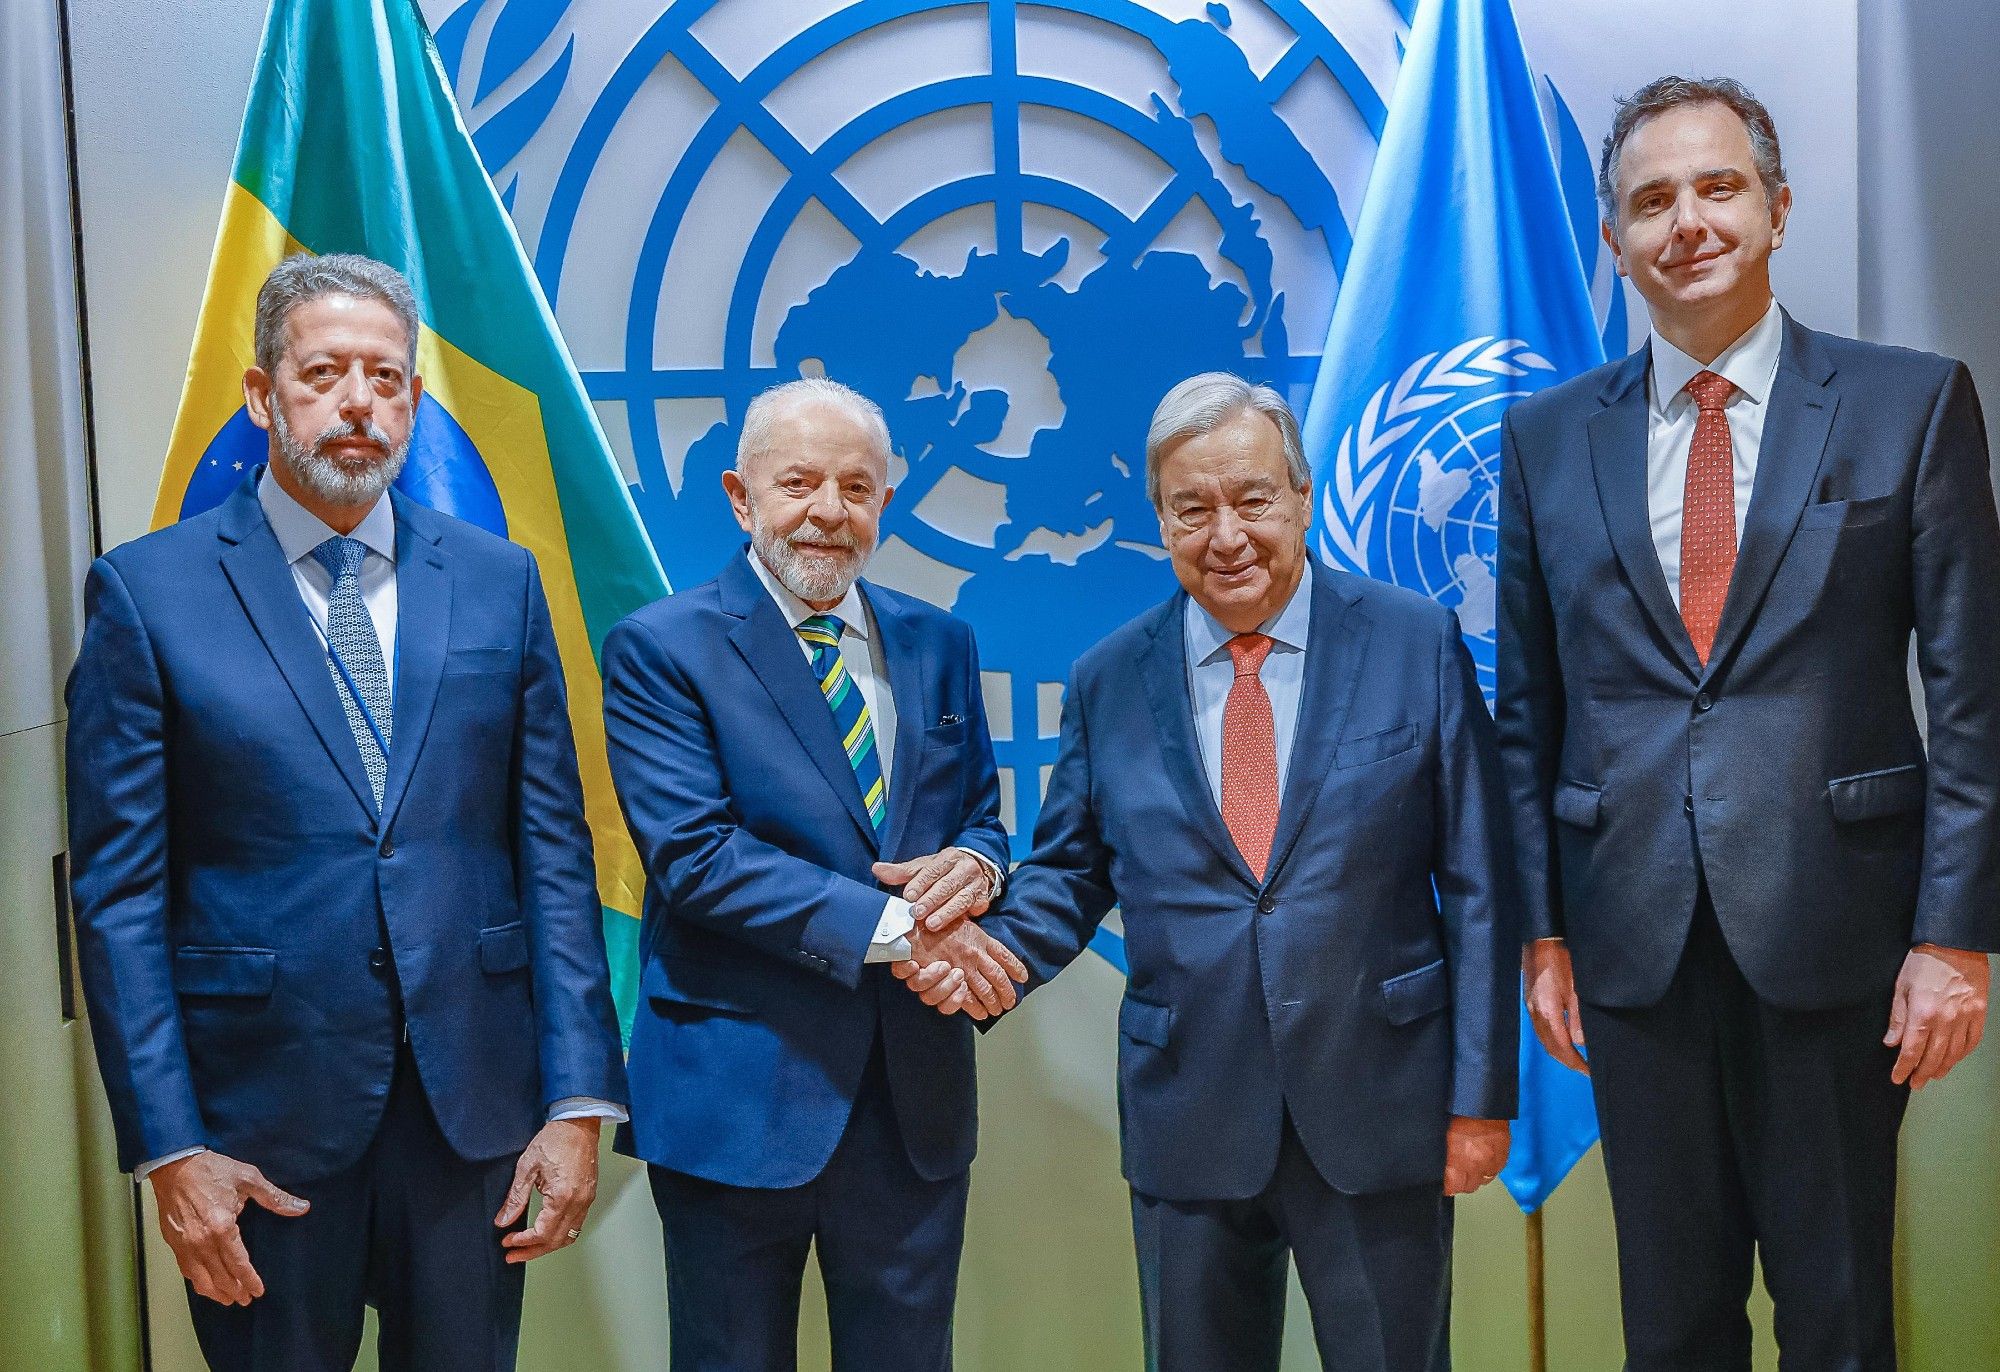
x=1211, y=673
x=870, y=675
x=299, y=531
x=1751, y=365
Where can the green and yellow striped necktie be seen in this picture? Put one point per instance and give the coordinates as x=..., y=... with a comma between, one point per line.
x=850, y=712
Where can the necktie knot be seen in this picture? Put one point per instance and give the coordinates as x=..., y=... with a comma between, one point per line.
x=1710, y=391
x=341, y=556
x=1248, y=651
x=822, y=631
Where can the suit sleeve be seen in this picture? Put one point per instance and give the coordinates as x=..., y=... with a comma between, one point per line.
x=709, y=869
x=576, y=1026
x=1955, y=581
x=983, y=832
x=117, y=793
x=1056, y=899
x=1475, y=885
x=1529, y=713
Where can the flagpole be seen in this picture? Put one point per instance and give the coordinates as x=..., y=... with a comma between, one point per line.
x=1538, y=1323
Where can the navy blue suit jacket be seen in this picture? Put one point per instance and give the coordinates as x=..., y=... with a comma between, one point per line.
x=757, y=1013
x=1788, y=773
x=234, y=885
x=1368, y=984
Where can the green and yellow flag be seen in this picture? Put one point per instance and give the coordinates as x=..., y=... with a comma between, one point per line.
x=352, y=143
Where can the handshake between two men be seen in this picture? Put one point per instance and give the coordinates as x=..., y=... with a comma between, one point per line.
x=953, y=965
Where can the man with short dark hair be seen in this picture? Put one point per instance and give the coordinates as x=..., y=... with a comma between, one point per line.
x=339, y=930
x=1284, y=776
x=1748, y=887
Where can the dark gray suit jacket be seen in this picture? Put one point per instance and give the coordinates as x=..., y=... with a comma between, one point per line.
x=1788, y=773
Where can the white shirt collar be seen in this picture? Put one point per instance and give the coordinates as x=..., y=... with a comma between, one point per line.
x=1750, y=363
x=299, y=530
x=1208, y=640
x=850, y=609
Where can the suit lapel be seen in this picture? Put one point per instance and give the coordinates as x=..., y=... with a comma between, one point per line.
x=1335, y=646
x=423, y=631
x=1797, y=420
x=902, y=657
x=770, y=648
x=1163, y=670
x=1618, y=442
x=256, y=568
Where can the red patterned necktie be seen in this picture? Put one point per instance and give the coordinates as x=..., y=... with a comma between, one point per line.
x=1250, y=756
x=1708, y=514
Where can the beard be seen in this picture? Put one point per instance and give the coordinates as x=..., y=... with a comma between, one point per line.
x=813, y=579
x=329, y=478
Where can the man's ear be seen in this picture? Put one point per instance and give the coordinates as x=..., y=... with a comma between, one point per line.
x=739, y=497
x=1781, y=213
x=1611, y=242
x=257, y=396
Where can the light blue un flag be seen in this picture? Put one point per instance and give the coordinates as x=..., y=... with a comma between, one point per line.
x=1464, y=292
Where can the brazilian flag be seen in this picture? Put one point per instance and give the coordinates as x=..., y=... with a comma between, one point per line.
x=352, y=143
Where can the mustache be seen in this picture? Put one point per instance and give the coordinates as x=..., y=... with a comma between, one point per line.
x=810, y=534
x=340, y=433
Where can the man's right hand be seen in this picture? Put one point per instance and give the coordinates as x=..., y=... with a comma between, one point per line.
x=199, y=1198
x=963, y=968
x=1549, y=987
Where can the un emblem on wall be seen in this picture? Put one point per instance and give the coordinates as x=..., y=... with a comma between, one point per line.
x=1014, y=228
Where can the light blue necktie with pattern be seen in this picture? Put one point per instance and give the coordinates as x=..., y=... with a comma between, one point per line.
x=850, y=712
x=354, y=657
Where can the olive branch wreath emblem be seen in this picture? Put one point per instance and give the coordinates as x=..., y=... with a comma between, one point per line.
x=1360, y=462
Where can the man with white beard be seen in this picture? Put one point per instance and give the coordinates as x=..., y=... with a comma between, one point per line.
x=789, y=744
x=336, y=914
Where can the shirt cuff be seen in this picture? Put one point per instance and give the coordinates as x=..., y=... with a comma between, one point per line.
x=141, y=1172
x=892, y=933
x=996, y=876
x=587, y=1108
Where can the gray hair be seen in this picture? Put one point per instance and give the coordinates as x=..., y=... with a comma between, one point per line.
x=1673, y=92
x=774, y=404
x=302, y=278
x=1202, y=404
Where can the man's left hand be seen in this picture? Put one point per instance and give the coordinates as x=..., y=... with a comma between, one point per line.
x=1474, y=1153
x=561, y=1163
x=942, y=889
x=1939, y=1013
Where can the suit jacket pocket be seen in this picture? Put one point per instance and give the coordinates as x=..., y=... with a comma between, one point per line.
x=503, y=948
x=225, y=971
x=464, y=661
x=1847, y=514
x=1357, y=752
x=950, y=735
x=688, y=981
x=1144, y=1022
x=1578, y=804
x=1874, y=795
x=1412, y=995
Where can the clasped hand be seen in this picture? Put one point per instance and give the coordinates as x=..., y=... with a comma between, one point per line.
x=953, y=965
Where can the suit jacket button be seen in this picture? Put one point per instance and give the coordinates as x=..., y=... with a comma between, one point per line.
x=1266, y=903
x=1687, y=804
x=378, y=958
x=388, y=849
x=1703, y=701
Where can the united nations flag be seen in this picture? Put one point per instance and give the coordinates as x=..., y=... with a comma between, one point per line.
x=1465, y=291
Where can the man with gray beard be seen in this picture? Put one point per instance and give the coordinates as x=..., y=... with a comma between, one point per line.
x=789, y=743
x=336, y=912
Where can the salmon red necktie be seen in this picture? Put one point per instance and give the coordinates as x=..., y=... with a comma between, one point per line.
x=1250, y=756
x=1708, y=514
